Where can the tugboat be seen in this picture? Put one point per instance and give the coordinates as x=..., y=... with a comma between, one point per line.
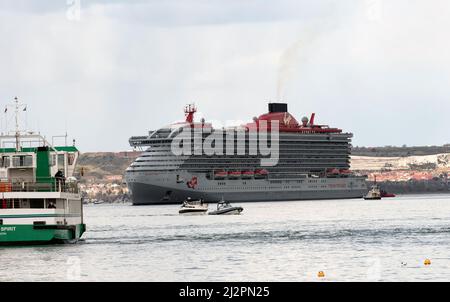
x=225, y=208
x=193, y=207
x=374, y=193
x=40, y=199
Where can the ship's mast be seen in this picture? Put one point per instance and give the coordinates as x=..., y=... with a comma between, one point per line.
x=17, y=134
x=190, y=110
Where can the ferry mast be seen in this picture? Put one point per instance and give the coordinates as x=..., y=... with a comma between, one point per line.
x=17, y=134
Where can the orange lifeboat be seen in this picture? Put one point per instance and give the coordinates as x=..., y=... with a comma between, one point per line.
x=234, y=174
x=220, y=174
x=248, y=174
x=5, y=187
x=345, y=171
x=333, y=171
x=261, y=173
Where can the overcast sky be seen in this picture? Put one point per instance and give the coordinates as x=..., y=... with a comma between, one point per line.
x=377, y=68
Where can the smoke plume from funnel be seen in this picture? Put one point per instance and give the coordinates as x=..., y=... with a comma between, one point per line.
x=290, y=61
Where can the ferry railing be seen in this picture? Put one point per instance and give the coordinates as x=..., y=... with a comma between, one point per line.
x=54, y=186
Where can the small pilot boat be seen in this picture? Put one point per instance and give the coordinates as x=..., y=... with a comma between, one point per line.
x=193, y=207
x=374, y=193
x=225, y=208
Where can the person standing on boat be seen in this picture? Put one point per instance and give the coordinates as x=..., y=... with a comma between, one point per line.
x=60, y=179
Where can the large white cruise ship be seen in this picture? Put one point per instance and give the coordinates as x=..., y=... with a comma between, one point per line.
x=273, y=158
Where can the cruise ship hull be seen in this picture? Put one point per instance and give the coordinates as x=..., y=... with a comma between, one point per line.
x=144, y=192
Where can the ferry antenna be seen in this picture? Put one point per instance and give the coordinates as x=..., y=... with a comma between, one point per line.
x=16, y=132
x=16, y=101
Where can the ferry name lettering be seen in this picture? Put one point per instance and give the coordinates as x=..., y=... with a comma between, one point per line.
x=7, y=229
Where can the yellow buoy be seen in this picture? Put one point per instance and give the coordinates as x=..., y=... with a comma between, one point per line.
x=321, y=274
x=427, y=262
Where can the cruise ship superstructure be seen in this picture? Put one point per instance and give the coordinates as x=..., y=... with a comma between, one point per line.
x=312, y=162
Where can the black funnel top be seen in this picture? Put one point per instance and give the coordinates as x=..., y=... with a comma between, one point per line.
x=278, y=107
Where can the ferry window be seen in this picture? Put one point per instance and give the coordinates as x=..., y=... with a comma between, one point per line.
x=25, y=204
x=28, y=160
x=36, y=204
x=1, y=221
x=16, y=161
x=5, y=161
x=50, y=204
x=71, y=159
x=22, y=161
x=60, y=159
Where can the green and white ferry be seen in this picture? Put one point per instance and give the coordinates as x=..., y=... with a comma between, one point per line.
x=40, y=201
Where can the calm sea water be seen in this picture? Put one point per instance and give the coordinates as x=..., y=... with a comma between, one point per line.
x=350, y=240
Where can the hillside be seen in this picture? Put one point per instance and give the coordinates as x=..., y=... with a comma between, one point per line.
x=105, y=166
x=426, y=162
x=393, y=151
